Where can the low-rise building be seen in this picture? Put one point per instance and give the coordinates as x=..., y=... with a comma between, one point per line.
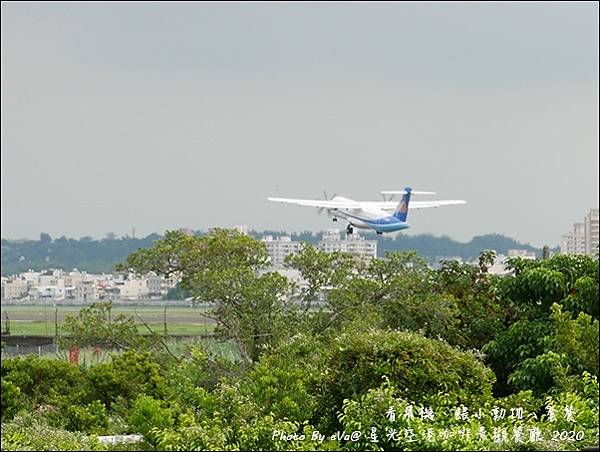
x=85, y=290
x=47, y=293
x=156, y=285
x=14, y=288
x=133, y=289
x=82, y=286
x=525, y=254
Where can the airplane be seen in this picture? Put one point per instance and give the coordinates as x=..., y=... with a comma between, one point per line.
x=381, y=216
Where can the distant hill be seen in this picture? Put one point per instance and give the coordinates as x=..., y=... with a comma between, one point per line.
x=427, y=245
x=98, y=256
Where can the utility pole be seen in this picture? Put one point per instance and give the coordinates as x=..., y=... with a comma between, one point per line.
x=7, y=323
x=165, y=318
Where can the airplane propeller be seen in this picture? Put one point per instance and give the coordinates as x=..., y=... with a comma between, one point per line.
x=326, y=198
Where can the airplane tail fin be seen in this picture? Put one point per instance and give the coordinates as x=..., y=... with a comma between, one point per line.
x=402, y=210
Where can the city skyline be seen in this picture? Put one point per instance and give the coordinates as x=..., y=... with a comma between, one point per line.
x=160, y=117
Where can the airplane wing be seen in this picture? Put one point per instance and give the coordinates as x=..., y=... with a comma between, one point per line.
x=392, y=205
x=323, y=203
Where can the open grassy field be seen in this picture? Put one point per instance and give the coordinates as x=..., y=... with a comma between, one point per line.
x=40, y=319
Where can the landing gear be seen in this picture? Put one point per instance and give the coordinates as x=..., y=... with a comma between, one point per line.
x=379, y=232
x=349, y=229
x=334, y=219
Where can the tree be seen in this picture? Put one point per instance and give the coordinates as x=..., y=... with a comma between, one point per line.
x=224, y=268
x=359, y=362
x=536, y=285
x=45, y=238
x=323, y=274
x=557, y=303
x=570, y=350
x=94, y=326
x=482, y=313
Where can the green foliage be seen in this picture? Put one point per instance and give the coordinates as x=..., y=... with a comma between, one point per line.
x=562, y=279
x=147, y=414
x=33, y=381
x=369, y=414
x=197, y=436
x=222, y=268
x=12, y=400
x=571, y=350
x=282, y=382
x=480, y=311
x=90, y=418
x=522, y=341
x=29, y=433
x=557, y=338
x=411, y=362
x=362, y=337
x=319, y=270
x=236, y=423
x=127, y=376
x=583, y=296
x=94, y=326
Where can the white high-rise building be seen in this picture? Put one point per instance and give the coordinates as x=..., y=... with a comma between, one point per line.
x=279, y=248
x=353, y=244
x=574, y=241
x=584, y=237
x=591, y=233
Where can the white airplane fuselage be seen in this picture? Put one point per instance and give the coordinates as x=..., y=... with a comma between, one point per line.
x=368, y=216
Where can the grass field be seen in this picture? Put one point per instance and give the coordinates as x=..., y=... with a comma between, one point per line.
x=40, y=319
x=41, y=328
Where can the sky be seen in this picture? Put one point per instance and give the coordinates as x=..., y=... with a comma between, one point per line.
x=158, y=116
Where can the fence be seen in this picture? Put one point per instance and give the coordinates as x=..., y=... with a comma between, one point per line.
x=44, y=345
x=167, y=318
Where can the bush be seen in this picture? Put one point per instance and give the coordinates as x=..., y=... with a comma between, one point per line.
x=147, y=414
x=282, y=382
x=12, y=400
x=412, y=363
x=43, y=381
x=127, y=376
x=369, y=414
x=29, y=433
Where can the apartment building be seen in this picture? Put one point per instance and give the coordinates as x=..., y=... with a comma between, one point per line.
x=583, y=238
x=591, y=233
x=353, y=244
x=280, y=247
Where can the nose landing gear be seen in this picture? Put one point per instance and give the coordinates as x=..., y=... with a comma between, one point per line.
x=349, y=229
